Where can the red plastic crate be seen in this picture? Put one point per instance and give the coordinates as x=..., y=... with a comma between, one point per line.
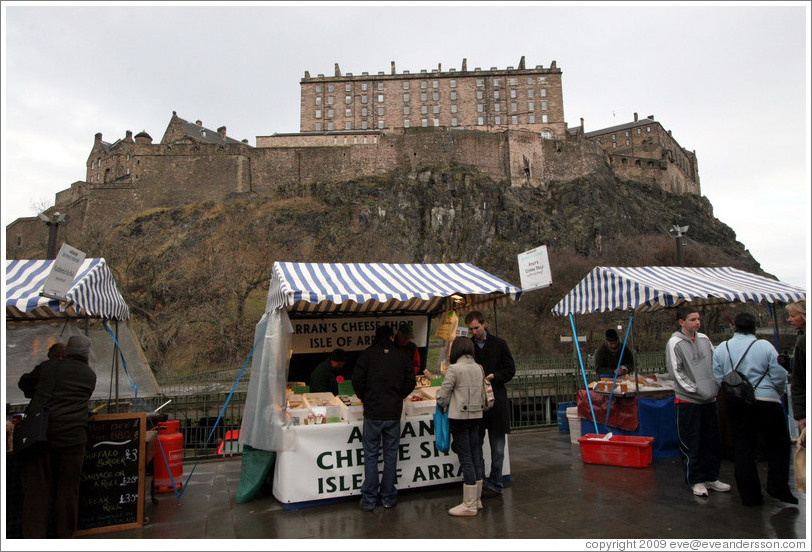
x=629, y=451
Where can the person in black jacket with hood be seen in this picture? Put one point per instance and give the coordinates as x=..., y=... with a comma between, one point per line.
x=493, y=354
x=51, y=473
x=382, y=378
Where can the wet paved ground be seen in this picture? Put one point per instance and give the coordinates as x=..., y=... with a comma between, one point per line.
x=552, y=495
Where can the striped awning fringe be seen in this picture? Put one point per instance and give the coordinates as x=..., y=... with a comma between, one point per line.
x=324, y=289
x=656, y=287
x=93, y=294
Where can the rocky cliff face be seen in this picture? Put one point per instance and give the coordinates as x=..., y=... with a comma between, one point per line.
x=196, y=276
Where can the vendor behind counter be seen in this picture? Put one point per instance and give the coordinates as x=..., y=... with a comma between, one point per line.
x=334, y=369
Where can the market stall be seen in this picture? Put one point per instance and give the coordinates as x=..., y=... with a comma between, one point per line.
x=313, y=307
x=615, y=405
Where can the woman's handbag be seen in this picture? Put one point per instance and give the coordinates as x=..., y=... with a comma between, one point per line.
x=488, y=398
x=800, y=463
x=442, y=433
x=32, y=430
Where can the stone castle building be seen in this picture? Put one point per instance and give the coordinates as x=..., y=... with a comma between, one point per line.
x=508, y=123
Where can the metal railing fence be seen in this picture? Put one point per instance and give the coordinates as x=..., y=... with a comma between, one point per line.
x=540, y=383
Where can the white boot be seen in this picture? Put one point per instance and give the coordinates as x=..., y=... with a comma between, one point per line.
x=479, y=495
x=468, y=506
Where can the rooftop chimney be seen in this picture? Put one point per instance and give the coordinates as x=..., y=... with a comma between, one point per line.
x=439, y=67
x=98, y=136
x=582, y=124
x=307, y=74
x=337, y=71
x=199, y=122
x=222, y=131
x=635, y=117
x=393, y=67
x=129, y=136
x=521, y=66
x=464, y=64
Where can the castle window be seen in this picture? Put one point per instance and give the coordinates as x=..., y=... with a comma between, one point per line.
x=347, y=99
x=627, y=142
x=512, y=81
x=529, y=92
x=348, y=112
x=512, y=92
x=543, y=92
x=380, y=123
x=406, y=109
x=435, y=96
x=380, y=112
x=424, y=122
x=480, y=82
x=318, y=100
x=348, y=87
x=543, y=106
x=496, y=106
x=364, y=125
x=480, y=108
x=436, y=122
x=531, y=119
x=318, y=88
x=531, y=106
x=627, y=133
x=436, y=109
x=637, y=162
x=453, y=108
x=329, y=113
x=405, y=85
x=638, y=130
x=374, y=139
x=330, y=88
x=128, y=171
x=355, y=140
x=380, y=98
x=613, y=136
x=406, y=97
x=496, y=81
x=406, y=123
x=92, y=164
x=363, y=87
x=380, y=86
x=318, y=127
x=454, y=95
x=330, y=100
x=479, y=94
x=335, y=141
x=330, y=125
x=544, y=118
x=347, y=126
x=364, y=112
x=435, y=84
x=128, y=157
x=19, y=241
x=453, y=83
x=543, y=80
x=614, y=144
x=496, y=94
x=624, y=161
x=454, y=122
x=648, y=129
x=514, y=106
x=497, y=120
x=424, y=109
x=480, y=121
x=424, y=84
x=514, y=119
x=546, y=134
x=651, y=163
x=423, y=97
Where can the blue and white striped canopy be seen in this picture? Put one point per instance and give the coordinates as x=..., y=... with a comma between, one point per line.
x=324, y=288
x=655, y=287
x=93, y=293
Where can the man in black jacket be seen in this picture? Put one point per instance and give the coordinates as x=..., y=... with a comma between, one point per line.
x=51, y=473
x=382, y=378
x=493, y=354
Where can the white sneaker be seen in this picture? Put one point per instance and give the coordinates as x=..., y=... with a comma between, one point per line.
x=699, y=489
x=717, y=486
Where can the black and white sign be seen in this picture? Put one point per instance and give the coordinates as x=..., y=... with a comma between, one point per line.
x=63, y=272
x=534, y=269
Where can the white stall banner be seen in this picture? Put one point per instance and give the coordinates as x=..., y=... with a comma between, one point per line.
x=322, y=335
x=328, y=461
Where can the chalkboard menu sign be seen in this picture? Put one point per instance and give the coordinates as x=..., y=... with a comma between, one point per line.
x=111, y=491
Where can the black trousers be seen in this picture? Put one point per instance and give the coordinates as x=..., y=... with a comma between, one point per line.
x=763, y=422
x=50, y=480
x=700, y=442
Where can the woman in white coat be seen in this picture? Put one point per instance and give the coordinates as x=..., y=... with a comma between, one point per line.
x=462, y=394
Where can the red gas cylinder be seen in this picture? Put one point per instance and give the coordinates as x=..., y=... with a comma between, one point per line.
x=170, y=441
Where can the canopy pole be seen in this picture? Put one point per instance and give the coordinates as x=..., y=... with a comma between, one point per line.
x=583, y=372
x=495, y=321
x=775, y=327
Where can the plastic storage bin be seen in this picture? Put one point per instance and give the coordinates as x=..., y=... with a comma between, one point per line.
x=563, y=423
x=629, y=451
x=574, y=422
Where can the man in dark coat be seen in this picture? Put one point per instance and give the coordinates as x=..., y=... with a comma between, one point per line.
x=493, y=354
x=51, y=473
x=382, y=378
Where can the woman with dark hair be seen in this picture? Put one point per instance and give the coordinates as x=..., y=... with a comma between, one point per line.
x=462, y=394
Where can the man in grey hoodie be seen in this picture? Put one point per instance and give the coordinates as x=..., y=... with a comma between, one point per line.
x=689, y=359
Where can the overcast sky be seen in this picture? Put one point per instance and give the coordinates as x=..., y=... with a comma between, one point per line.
x=729, y=80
